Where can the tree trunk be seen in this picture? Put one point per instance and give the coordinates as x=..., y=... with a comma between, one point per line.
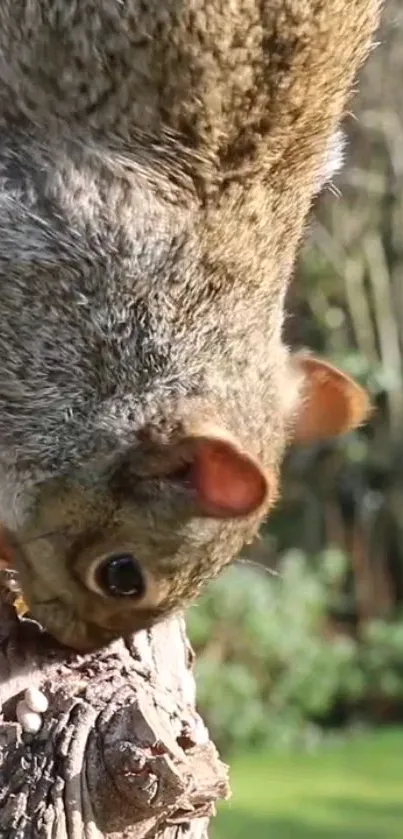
x=122, y=751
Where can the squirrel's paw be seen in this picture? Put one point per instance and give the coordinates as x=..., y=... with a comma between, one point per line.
x=30, y=710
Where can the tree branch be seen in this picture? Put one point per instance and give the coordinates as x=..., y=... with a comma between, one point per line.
x=122, y=751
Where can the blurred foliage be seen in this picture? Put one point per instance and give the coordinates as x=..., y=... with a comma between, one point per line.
x=347, y=303
x=273, y=671
x=282, y=658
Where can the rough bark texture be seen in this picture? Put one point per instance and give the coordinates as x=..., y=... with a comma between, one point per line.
x=122, y=751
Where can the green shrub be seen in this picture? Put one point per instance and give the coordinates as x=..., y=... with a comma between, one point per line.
x=271, y=669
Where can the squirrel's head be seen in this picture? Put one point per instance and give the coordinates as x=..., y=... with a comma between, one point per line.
x=116, y=548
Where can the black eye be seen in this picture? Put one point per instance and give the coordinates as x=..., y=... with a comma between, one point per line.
x=121, y=576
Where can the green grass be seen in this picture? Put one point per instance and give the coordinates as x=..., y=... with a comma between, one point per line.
x=350, y=791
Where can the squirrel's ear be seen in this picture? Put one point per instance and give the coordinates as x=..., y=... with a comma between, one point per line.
x=227, y=482
x=331, y=403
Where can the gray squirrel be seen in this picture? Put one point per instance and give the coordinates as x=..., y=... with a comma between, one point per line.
x=158, y=161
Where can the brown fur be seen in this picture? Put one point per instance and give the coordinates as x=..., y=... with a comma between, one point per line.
x=157, y=164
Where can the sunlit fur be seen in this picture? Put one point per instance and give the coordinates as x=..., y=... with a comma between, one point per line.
x=157, y=164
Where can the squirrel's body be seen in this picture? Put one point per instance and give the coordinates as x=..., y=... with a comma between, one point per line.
x=157, y=163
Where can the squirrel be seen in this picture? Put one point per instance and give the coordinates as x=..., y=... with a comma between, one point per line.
x=158, y=162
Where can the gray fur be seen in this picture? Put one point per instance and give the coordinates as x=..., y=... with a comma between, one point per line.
x=157, y=164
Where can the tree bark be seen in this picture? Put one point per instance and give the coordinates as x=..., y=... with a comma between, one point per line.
x=122, y=751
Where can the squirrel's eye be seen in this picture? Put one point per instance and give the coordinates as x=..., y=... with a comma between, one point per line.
x=120, y=575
